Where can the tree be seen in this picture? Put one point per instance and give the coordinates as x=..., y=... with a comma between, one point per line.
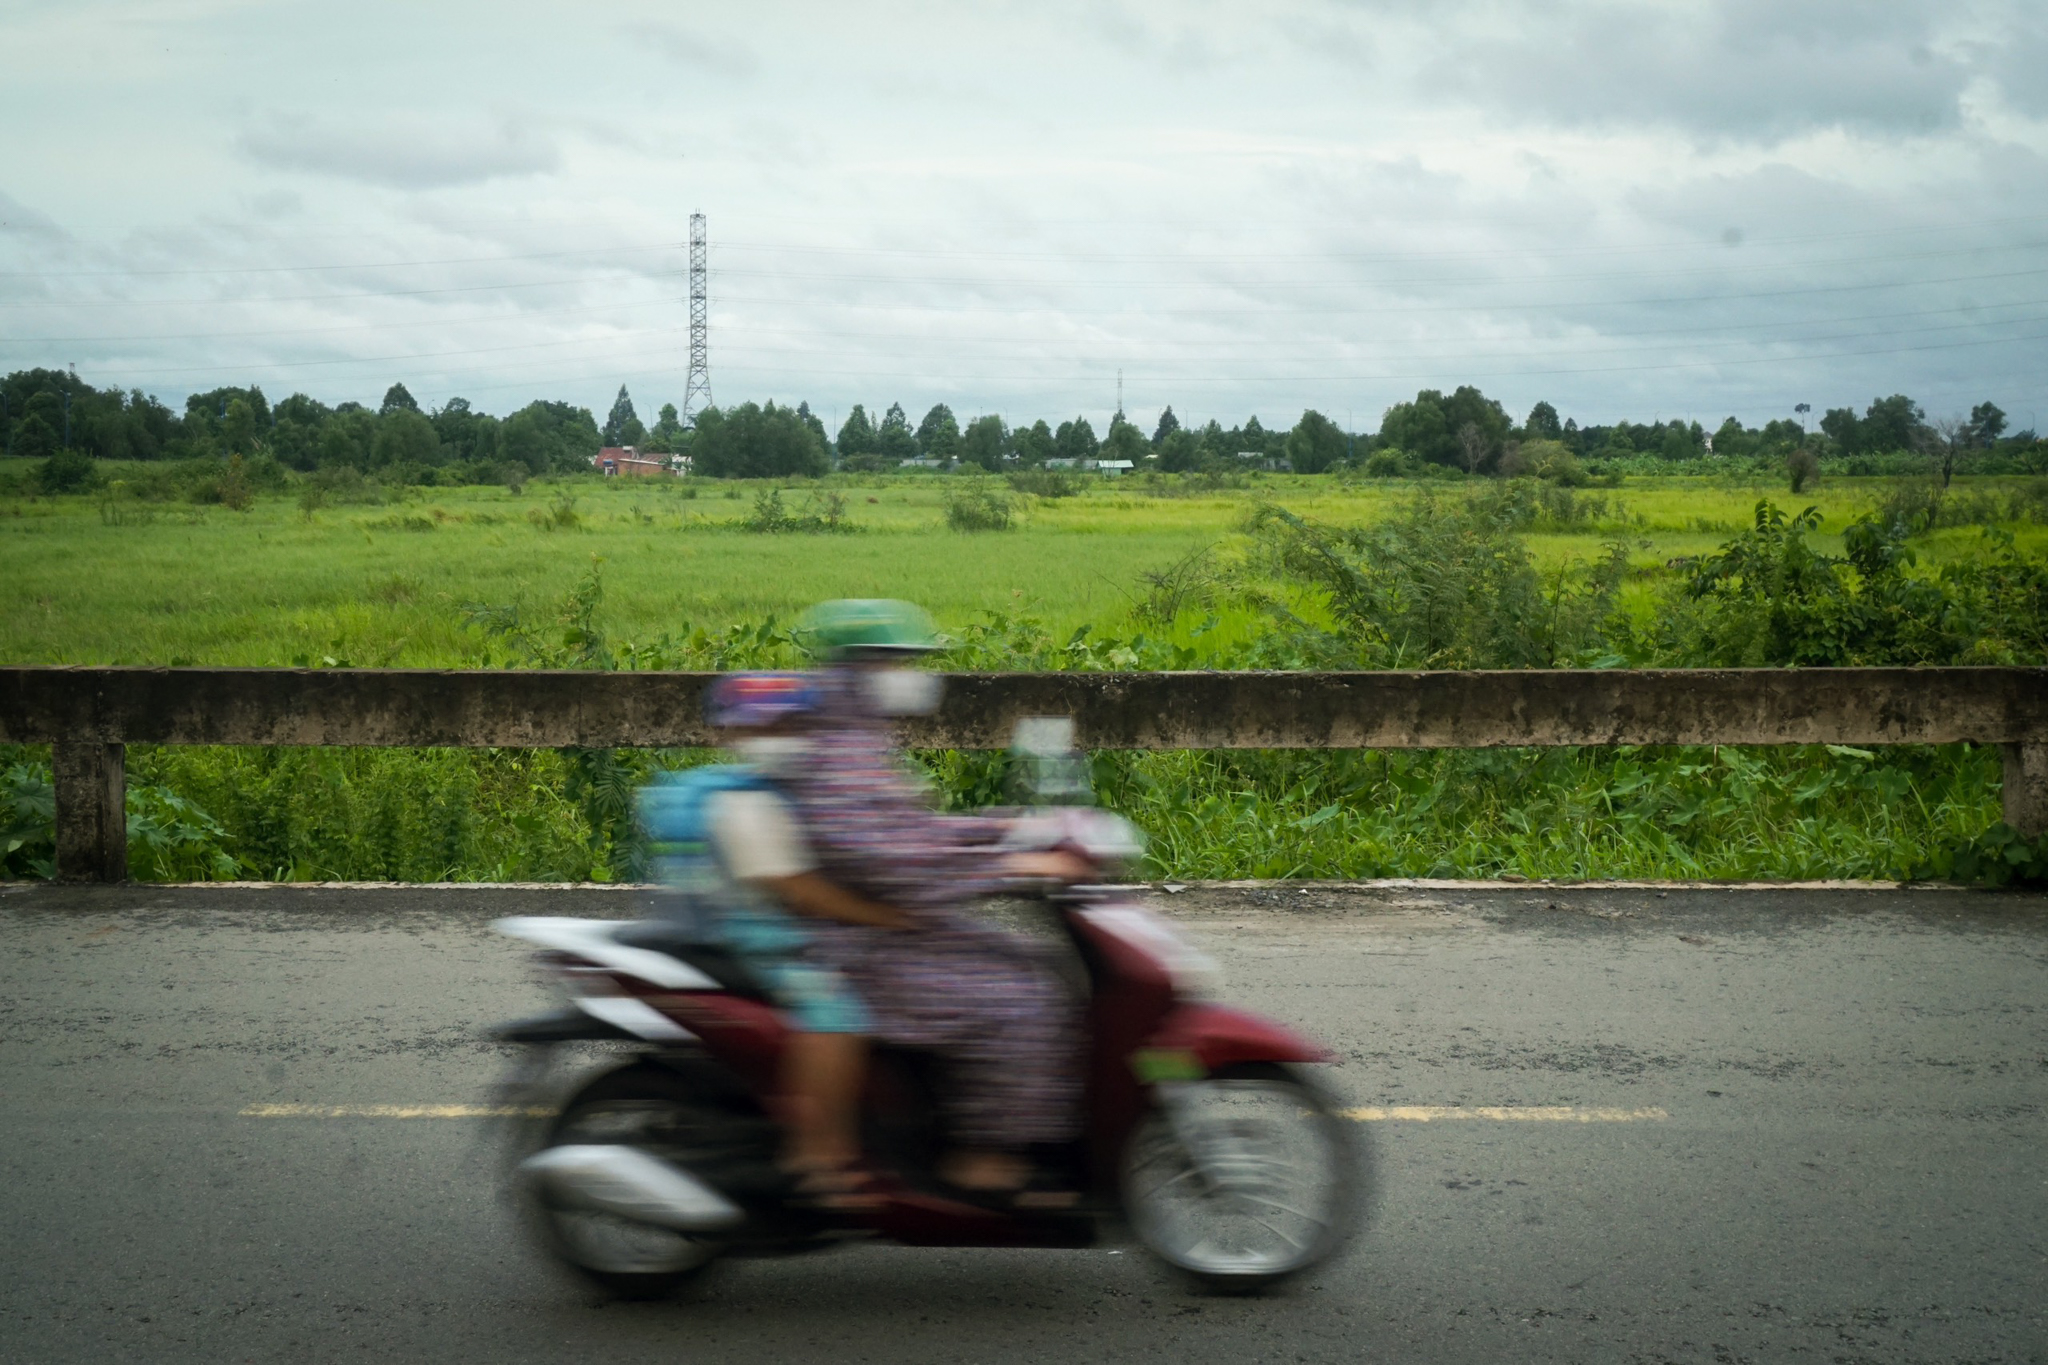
x=1542, y=424
x=857, y=441
x=1316, y=444
x=1893, y=423
x=1840, y=426
x=1472, y=449
x=35, y=438
x=1420, y=428
x=1987, y=423
x=811, y=420
x=1732, y=438
x=622, y=427
x=985, y=442
x=520, y=441
x=893, y=440
x=666, y=433
x=1034, y=444
x=1680, y=442
x=1075, y=440
x=405, y=438
x=1433, y=427
x=1180, y=452
x=1168, y=424
x=1943, y=439
x=397, y=399
x=238, y=428
x=1126, y=442
x=938, y=435
x=756, y=442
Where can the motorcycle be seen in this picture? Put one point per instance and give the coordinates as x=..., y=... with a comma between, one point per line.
x=1202, y=1133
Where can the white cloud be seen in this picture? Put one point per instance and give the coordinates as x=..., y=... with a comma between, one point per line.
x=1246, y=208
x=404, y=153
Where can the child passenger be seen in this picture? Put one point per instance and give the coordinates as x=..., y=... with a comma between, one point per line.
x=773, y=886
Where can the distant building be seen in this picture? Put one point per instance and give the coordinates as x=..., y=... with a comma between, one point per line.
x=1112, y=469
x=1276, y=464
x=920, y=464
x=630, y=462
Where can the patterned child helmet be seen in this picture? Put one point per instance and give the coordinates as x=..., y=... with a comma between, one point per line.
x=752, y=700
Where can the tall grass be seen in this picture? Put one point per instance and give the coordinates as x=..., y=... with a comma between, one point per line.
x=1288, y=573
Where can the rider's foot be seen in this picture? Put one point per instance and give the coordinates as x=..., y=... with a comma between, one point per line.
x=984, y=1171
x=848, y=1188
x=1005, y=1178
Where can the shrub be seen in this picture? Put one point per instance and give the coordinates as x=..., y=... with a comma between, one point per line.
x=1443, y=583
x=821, y=514
x=68, y=471
x=1388, y=462
x=559, y=515
x=1044, y=483
x=1803, y=467
x=978, y=507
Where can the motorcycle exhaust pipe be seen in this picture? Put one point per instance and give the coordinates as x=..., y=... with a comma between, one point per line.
x=632, y=1184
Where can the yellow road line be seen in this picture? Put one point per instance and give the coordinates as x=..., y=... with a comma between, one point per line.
x=394, y=1111
x=1433, y=1113
x=1396, y=1113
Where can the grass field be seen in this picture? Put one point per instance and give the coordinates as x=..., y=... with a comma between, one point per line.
x=98, y=581
x=396, y=583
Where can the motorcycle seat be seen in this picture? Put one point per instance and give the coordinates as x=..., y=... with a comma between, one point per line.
x=715, y=960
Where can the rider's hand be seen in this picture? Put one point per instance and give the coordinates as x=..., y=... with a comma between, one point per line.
x=1050, y=866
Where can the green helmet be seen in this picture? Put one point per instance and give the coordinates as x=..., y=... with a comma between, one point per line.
x=856, y=627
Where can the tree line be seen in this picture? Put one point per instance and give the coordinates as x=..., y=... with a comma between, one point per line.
x=49, y=413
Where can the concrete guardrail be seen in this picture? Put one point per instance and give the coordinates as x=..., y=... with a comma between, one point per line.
x=88, y=715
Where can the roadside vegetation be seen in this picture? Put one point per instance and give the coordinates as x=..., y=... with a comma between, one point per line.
x=1535, y=548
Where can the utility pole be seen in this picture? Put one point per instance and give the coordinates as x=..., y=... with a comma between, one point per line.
x=697, y=390
x=1119, y=392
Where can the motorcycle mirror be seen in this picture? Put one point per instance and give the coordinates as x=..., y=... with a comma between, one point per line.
x=1045, y=767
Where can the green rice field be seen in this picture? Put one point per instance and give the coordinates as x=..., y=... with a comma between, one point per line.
x=432, y=577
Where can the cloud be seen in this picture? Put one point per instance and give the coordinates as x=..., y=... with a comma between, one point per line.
x=19, y=220
x=1744, y=70
x=417, y=153
x=703, y=53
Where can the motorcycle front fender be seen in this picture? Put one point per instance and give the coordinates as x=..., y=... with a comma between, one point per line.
x=1217, y=1036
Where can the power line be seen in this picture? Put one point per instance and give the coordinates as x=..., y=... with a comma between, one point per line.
x=1217, y=311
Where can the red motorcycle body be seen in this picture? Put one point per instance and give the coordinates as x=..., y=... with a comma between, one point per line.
x=1142, y=1028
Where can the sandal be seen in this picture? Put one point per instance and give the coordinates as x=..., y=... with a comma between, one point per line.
x=1040, y=1193
x=851, y=1188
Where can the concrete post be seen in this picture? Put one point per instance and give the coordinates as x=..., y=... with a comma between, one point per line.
x=92, y=817
x=2026, y=789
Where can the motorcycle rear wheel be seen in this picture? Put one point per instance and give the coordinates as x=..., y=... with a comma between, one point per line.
x=640, y=1106
x=1286, y=1181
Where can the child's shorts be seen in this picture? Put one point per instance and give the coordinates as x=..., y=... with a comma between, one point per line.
x=817, y=999
x=771, y=943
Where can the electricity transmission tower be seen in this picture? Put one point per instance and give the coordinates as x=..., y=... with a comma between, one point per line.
x=697, y=392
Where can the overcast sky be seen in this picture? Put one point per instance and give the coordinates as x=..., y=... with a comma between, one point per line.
x=1639, y=210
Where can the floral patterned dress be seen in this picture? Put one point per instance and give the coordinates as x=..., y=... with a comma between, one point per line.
x=975, y=994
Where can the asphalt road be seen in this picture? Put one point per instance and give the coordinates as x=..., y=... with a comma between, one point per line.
x=1851, y=1165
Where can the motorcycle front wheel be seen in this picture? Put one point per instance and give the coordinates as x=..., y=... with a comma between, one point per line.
x=636, y=1106
x=1254, y=1178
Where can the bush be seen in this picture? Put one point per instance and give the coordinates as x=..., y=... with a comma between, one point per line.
x=978, y=507
x=1388, y=462
x=1768, y=599
x=68, y=471
x=1044, y=483
x=1803, y=467
x=1443, y=583
x=821, y=514
x=559, y=515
